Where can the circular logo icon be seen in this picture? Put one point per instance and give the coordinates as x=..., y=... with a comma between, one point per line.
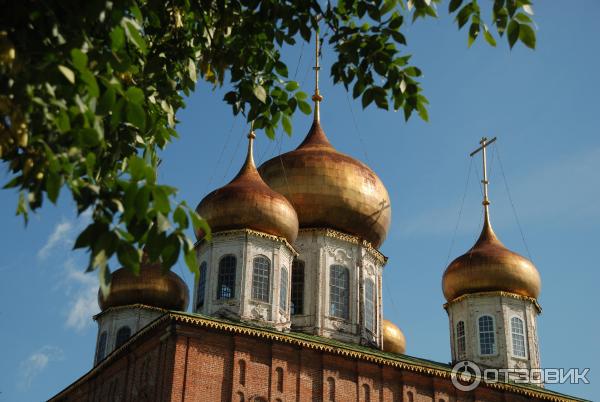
x=466, y=376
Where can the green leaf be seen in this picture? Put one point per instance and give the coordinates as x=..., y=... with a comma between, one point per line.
x=117, y=38
x=201, y=226
x=79, y=59
x=527, y=36
x=180, y=217
x=192, y=70
x=260, y=93
x=133, y=34
x=90, y=137
x=304, y=107
x=287, y=125
x=104, y=275
x=388, y=5
x=513, y=32
x=53, y=185
x=161, y=200
x=135, y=95
x=281, y=69
x=162, y=223
x=63, y=124
x=136, y=115
x=524, y=18
x=129, y=257
x=90, y=81
x=489, y=38
x=170, y=252
x=68, y=73
x=454, y=5
x=422, y=111
x=137, y=168
x=367, y=98
x=107, y=101
x=292, y=86
x=473, y=33
x=191, y=261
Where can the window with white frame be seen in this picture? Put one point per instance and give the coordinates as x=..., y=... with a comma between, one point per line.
x=226, y=278
x=297, y=296
x=201, y=286
x=487, y=335
x=283, y=289
x=339, y=291
x=369, y=305
x=461, y=341
x=518, y=337
x=261, y=274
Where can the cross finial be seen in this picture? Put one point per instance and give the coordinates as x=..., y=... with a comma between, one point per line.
x=317, y=98
x=484, y=143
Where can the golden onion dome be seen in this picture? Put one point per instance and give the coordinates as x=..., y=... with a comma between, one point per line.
x=490, y=266
x=248, y=203
x=393, y=338
x=330, y=189
x=151, y=287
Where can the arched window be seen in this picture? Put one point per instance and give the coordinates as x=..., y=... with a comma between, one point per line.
x=487, y=335
x=279, y=377
x=260, y=278
x=297, y=305
x=369, y=305
x=240, y=396
x=366, y=393
x=518, y=337
x=226, y=279
x=122, y=335
x=339, y=291
x=461, y=340
x=409, y=396
x=331, y=388
x=101, y=351
x=283, y=289
x=201, y=286
x=242, y=373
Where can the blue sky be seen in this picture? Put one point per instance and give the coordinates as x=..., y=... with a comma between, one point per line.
x=543, y=106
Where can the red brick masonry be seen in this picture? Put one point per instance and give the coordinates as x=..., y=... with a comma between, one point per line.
x=188, y=357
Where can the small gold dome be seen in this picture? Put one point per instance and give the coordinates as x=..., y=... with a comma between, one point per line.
x=490, y=266
x=393, y=338
x=248, y=203
x=151, y=287
x=330, y=189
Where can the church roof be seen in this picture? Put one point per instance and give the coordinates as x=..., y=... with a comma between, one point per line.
x=349, y=350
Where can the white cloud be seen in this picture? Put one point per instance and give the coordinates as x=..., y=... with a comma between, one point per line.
x=61, y=236
x=36, y=363
x=82, y=289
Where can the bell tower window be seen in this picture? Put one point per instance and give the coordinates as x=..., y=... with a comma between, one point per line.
x=226, y=279
x=339, y=291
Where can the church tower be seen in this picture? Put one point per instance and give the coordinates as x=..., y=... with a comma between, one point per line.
x=133, y=302
x=344, y=214
x=245, y=268
x=492, y=306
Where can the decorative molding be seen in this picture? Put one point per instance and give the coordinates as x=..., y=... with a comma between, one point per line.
x=495, y=293
x=249, y=232
x=334, y=234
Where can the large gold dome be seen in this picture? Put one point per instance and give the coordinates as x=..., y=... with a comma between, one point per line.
x=490, y=266
x=248, y=203
x=330, y=189
x=393, y=338
x=151, y=287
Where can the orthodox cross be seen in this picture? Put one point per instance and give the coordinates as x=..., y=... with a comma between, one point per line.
x=484, y=143
x=317, y=98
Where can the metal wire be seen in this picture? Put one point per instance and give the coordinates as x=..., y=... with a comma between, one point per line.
x=462, y=203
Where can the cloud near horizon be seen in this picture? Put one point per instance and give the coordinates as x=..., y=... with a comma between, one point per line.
x=36, y=363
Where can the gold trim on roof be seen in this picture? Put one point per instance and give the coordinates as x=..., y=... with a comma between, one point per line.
x=252, y=233
x=129, y=306
x=334, y=234
x=496, y=293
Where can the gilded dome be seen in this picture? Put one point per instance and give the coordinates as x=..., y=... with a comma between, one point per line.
x=330, y=189
x=490, y=266
x=151, y=287
x=393, y=338
x=248, y=203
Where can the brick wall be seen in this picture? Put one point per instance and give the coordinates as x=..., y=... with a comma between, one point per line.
x=181, y=363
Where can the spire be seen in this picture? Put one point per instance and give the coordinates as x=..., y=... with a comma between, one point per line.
x=249, y=167
x=487, y=232
x=317, y=98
